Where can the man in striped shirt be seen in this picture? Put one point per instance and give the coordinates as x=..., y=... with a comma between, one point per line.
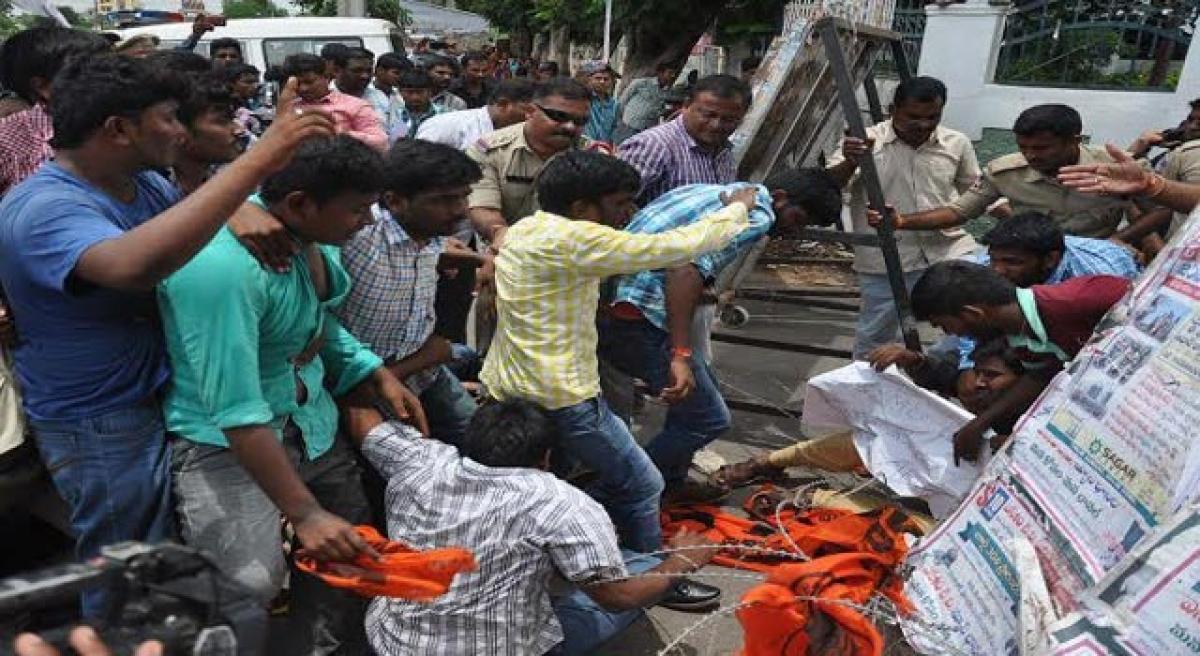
x=548, y=277
x=647, y=332
x=694, y=148
x=529, y=531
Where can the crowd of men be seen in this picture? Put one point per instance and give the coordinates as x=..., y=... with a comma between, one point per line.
x=224, y=320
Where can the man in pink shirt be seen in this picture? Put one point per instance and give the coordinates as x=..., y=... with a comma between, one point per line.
x=351, y=116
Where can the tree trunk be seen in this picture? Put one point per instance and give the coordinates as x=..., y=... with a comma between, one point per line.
x=1162, y=61
x=560, y=48
x=666, y=35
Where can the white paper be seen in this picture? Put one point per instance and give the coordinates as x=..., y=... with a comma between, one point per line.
x=903, y=433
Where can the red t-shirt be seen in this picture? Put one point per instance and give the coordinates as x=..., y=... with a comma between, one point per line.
x=1071, y=310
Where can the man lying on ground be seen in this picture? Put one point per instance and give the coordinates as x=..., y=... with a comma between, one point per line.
x=526, y=528
x=997, y=368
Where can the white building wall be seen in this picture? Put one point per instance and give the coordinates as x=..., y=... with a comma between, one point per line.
x=961, y=46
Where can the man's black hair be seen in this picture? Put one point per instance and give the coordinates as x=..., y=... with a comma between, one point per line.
x=232, y=72
x=1029, y=231
x=180, y=61
x=725, y=87
x=583, y=175
x=562, y=87
x=750, y=63
x=391, y=60
x=330, y=51
x=224, y=43
x=434, y=61
x=515, y=90
x=325, y=168
x=1059, y=120
x=948, y=287
x=341, y=57
x=210, y=93
x=414, y=78
x=415, y=166
x=999, y=348
x=474, y=55
x=301, y=63
x=41, y=52
x=665, y=66
x=812, y=189
x=920, y=89
x=1194, y=103
x=103, y=86
x=512, y=433
x=549, y=65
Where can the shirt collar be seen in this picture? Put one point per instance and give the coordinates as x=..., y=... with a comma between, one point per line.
x=1040, y=342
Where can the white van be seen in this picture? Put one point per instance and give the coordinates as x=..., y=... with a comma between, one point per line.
x=266, y=42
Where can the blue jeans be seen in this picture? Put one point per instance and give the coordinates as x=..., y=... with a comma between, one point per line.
x=114, y=473
x=628, y=485
x=448, y=407
x=586, y=625
x=878, y=323
x=641, y=349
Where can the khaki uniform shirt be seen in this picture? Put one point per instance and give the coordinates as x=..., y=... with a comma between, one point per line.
x=915, y=180
x=509, y=169
x=1183, y=165
x=1027, y=190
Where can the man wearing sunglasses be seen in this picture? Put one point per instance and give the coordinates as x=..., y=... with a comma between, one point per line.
x=511, y=158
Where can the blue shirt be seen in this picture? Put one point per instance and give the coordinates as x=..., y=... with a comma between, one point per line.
x=84, y=350
x=684, y=206
x=603, y=122
x=1081, y=257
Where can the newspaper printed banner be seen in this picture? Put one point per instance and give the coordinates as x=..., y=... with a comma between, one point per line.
x=901, y=431
x=1103, y=458
x=1149, y=604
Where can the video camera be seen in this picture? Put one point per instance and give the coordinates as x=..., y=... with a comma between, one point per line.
x=164, y=592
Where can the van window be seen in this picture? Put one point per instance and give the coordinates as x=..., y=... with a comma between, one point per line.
x=277, y=50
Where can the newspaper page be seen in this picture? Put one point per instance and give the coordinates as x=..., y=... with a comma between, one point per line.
x=1149, y=604
x=1104, y=457
x=901, y=431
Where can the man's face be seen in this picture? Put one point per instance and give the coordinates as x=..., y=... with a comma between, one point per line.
x=557, y=121
x=970, y=322
x=387, y=78
x=475, y=71
x=710, y=120
x=914, y=121
x=1046, y=152
x=1023, y=268
x=443, y=76
x=617, y=209
x=543, y=74
x=157, y=135
x=335, y=221
x=354, y=77
x=1191, y=125
x=667, y=76
x=226, y=56
x=312, y=87
x=434, y=213
x=245, y=87
x=601, y=82
x=213, y=138
x=510, y=113
x=416, y=100
x=789, y=217
x=981, y=386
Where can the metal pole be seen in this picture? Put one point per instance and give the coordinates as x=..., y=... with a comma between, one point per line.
x=887, y=230
x=607, y=28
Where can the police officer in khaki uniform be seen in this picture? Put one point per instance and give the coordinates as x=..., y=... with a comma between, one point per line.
x=512, y=157
x=1182, y=164
x=1049, y=137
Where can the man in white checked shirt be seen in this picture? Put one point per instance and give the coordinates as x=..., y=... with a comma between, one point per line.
x=529, y=531
x=394, y=267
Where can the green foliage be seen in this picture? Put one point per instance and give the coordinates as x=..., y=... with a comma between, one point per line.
x=252, y=9
x=1077, y=57
x=385, y=9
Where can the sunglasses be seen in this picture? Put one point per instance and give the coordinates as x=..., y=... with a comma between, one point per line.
x=559, y=116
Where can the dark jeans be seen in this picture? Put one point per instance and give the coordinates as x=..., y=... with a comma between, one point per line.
x=641, y=349
x=113, y=472
x=224, y=512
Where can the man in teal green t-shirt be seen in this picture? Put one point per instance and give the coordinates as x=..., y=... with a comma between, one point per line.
x=254, y=429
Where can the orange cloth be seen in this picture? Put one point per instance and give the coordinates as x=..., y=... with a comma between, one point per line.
x=817, y=531
x=776, y=623
x=401, y=571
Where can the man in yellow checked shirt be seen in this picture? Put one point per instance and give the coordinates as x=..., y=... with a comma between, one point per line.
x=548, y=276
